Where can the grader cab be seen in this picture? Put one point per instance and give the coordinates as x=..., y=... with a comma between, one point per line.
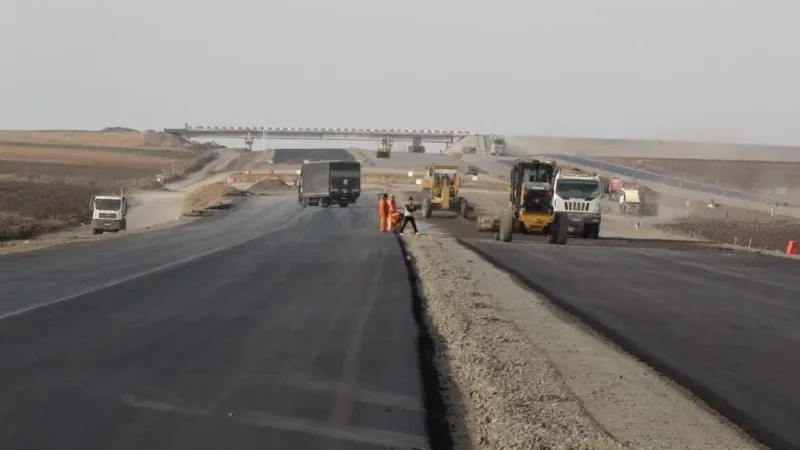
x=440, y=188
x=531, y=208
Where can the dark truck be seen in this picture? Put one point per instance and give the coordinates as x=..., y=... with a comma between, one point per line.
x=326, y=182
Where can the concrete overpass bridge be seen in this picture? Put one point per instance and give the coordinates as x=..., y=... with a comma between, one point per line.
x=250, y=133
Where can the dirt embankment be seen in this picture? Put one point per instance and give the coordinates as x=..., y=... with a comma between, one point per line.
x=751, y=176
x=734, y=226
x=47, y=178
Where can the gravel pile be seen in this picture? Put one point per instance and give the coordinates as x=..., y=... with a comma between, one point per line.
x=518, y=374
x=512, y=399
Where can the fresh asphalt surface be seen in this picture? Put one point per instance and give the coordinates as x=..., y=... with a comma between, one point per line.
x=724, y=324
x=274, y=327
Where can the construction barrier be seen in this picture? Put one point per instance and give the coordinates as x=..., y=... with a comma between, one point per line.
x=792, y=249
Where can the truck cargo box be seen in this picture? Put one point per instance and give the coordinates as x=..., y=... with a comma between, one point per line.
x=326, y=182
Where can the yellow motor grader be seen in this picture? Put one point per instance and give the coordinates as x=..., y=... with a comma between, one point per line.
x=531, y=207
x=440, y=188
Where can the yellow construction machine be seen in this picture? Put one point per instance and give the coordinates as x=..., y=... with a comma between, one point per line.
x=531, y=208
x=385, y=147
x=440, y=188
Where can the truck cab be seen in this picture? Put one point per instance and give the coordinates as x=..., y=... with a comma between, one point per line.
x=498, y=146
x=578, y=194
x=109, y=213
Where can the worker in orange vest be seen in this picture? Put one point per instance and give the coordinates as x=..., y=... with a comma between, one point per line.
x=394, y=216
x=383, y=212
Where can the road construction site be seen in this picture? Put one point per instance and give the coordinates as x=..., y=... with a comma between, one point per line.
x=311, y=329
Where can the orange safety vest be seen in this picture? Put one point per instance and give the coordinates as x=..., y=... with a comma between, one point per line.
x=392, y=206
x=383, y=207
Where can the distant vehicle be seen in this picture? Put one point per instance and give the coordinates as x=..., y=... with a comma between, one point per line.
x=109, y=213
x=416, y=146
x=324, y=183
x=385, y=147
x=498, y=146
x=614, y=188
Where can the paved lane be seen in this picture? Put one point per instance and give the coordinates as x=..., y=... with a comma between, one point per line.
x=276, y=327
x=723, y=324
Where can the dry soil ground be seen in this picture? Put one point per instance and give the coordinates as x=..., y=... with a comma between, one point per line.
x=751, y=176
x=46, y=178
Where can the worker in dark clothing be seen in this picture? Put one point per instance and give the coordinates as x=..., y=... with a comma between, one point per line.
x=408, y=216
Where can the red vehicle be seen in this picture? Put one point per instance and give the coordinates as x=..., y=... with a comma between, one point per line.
x=614, y=188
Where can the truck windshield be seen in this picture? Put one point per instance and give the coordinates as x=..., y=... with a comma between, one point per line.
x=345, y=173
x=578, y=188
x=107, y=204
x=536, y=200
x=498, y=142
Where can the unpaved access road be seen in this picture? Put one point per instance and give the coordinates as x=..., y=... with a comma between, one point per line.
x=272, y=327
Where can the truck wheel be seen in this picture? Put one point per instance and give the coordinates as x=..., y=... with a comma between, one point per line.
x=426, y=207
x=343, y=205
x=591, y=231
x=324, y=203
x=123, y=225
x=463, y=207
x=95, y=231
x=506, y=226
x=558, y=229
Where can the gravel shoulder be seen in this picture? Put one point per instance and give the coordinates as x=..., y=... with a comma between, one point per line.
x=521, y=374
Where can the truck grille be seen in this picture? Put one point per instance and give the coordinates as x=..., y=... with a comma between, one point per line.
x=106, y=215
x=576, y=206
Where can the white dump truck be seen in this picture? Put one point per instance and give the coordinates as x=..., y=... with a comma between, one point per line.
x=109, y=213
x=578, y=193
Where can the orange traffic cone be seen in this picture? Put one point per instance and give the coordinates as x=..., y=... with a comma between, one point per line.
x=792, y=249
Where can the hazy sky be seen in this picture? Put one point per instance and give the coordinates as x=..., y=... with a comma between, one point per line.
x=675, y=69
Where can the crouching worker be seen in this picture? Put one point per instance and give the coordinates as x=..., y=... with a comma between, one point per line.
x=395, y=220
x=408, y=216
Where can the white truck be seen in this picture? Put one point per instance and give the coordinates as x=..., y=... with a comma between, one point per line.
x=109, y=213
x=578, y=193
x=498, y=146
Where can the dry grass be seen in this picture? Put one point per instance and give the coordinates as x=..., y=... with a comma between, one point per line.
x=31, y=208
x=145, y=139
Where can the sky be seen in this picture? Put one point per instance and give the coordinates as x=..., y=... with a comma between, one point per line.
x=658, y=69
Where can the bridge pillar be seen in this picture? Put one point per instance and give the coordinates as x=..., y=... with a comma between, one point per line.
x=248, y=142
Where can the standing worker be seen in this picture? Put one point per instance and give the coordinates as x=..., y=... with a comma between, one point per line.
x=383, y=212
x=392, y=205
x=408, y=216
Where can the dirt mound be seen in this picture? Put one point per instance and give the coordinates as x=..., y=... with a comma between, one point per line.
x=211, y=196
x=119, y=129
x=271, y=185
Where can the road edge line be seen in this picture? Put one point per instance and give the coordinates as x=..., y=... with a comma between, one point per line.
x=714, y=401
x=436, y=418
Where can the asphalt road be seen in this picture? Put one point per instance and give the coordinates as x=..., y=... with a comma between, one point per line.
x=274, y=327
x=723, y=324
x=298, y=155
